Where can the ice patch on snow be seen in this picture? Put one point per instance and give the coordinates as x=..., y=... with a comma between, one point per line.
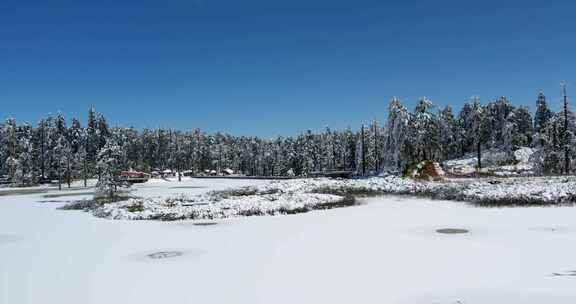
x=452, y=231
x=165, y=254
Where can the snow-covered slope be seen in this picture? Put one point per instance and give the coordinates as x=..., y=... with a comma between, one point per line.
x=494, y=163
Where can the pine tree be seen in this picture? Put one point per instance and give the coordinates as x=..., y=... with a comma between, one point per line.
x=10, y=142
x=23, y=171
x=567, y=135
x=523, y=127
x=474, y=121
x=108, y=165
x=396, y=127
x=63, y=159
x=92, y=140
x=449, y=134
x=543, y=114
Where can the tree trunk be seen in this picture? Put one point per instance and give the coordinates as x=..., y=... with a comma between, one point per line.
x=566, y=136
x=219, y=158
x=363, y=154
x=42, y=165
x=479, y=151
x=68, y=173
x=84, y=173
x=376, y=158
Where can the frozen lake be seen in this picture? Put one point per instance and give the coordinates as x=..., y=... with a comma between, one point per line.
x=387, y=250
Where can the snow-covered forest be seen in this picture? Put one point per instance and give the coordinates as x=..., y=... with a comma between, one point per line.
x=55, y=148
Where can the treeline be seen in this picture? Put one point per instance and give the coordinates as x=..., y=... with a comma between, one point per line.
x=435, y=134
x=53, y=149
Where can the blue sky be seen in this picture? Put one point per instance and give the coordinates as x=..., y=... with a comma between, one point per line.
x=262, y=67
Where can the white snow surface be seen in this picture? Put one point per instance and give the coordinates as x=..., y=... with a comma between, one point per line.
x=384, y=251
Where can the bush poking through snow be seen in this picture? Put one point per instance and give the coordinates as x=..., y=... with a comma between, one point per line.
x=214, y=207
x=92, y=204
x=481, y=192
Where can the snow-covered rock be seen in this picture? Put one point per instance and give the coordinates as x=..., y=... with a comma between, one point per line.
x=523, y=155
x=427, y=170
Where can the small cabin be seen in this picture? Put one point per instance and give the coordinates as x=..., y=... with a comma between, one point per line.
x=134, y=176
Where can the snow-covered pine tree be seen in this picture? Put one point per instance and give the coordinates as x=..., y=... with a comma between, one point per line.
x=374, y=147
x=466, y=132
x=78, y=159
x=3, y=152
x=108, y=166
x=349, y=142
x=40, y=150
x=280, y=165
x=52, y=159
x=427, y=135
x=567, y=134
x=523, y=127
x=92, y=140
x=63, y=160
x=327, y=161
x=474, y=124
x=60, y=125
x=10, y=154
x=311, y=153
x=361, y=151
x=497, y=115
x=449, y=132
x=543, y=114
x=422, y=136
x=103, y=131
x=396, y=127
x=550, y=153
x=21, y=163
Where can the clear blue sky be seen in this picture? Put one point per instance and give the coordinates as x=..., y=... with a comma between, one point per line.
x=267, y=67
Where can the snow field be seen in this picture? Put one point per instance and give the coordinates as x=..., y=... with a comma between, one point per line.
x=386, y=250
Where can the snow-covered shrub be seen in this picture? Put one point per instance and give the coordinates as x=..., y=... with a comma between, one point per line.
x=208, y=207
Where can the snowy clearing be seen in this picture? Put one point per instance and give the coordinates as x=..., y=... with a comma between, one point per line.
x=386, y=250
x=304, y=195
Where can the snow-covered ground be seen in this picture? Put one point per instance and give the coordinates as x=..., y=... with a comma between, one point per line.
x=495, y=163
x=304, y=195
x=385, y=250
